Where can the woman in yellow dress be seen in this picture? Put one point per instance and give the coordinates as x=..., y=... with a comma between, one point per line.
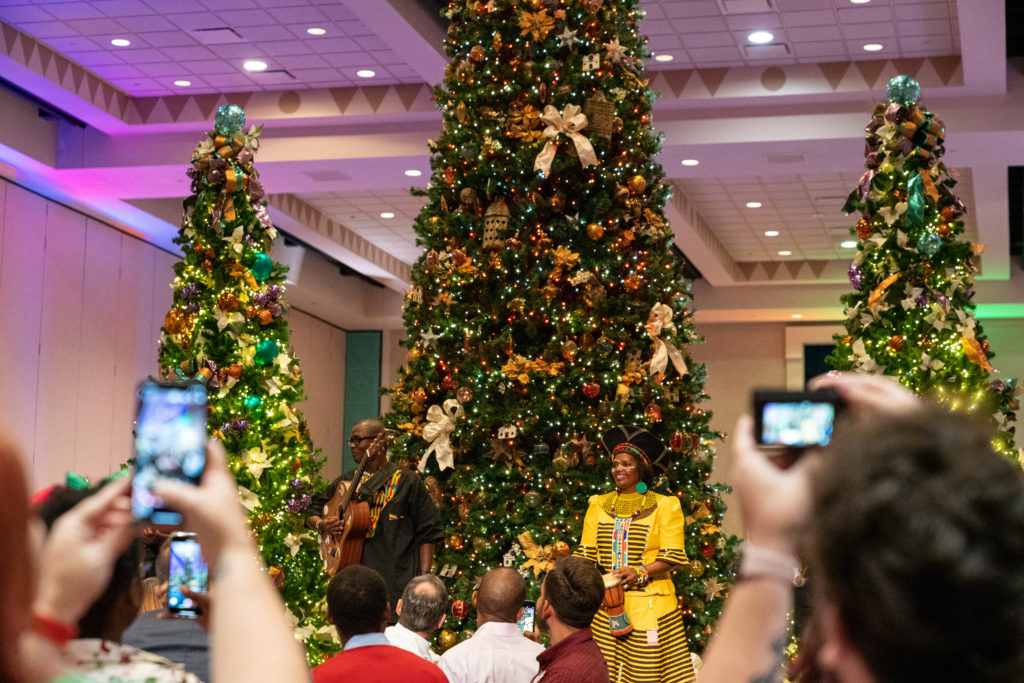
x=636, y=536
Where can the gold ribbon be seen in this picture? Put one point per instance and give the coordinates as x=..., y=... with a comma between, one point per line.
x=975, y=353
x=660, y=320
x=878, y=291
x=440, y=423
x=570, y=122
x=563, y=258
x=540, y=558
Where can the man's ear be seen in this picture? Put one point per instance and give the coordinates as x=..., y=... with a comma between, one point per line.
x=329, y=619
x=519, y=614
x=440, y=622
x=474, y=598
x=398, y=607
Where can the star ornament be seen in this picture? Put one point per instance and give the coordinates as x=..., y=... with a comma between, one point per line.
x=712, y=589
x=614, y=52
x=429, y=338
x=567, y=38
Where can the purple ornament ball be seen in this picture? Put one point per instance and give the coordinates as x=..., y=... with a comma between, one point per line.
x=260, y=299
x=856, y=276
x=274, y=292
x=296, y=483
x=294, y=505
x=275, y=309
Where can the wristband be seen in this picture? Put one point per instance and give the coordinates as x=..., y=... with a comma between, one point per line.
x=765, y=563
x=643, y=578
x=53, y=629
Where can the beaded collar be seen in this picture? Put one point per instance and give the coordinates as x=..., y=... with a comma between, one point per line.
x=627, y=504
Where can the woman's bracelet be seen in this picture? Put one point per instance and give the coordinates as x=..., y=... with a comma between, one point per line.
x=765, y=563
x=643, y=578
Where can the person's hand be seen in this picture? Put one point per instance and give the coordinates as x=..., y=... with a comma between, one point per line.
x=330, y=525
x=626, y=574
x=774, y=502
x=78, y=556
x=867, y=395
x=535, y=636
x=212, y=509
x=202, y=603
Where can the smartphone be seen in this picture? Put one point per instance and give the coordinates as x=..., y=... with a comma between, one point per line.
x=795, y=419
x=526, y=621
x=170, y=434
x=187, y=568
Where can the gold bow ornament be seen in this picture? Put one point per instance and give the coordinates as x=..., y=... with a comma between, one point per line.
x=660, y=320
x=440, y=423
x=540, y=558
x=570, y=122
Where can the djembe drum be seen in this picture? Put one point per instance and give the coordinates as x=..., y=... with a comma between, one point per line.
x=614, y=604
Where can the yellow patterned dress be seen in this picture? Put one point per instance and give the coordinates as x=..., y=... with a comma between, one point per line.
x=656, y=650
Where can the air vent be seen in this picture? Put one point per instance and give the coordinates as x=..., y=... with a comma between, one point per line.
x=780, y=158
x=326, y=175
x=217, y=35
x=272, y=76
x=745, y=6
x=769, y=51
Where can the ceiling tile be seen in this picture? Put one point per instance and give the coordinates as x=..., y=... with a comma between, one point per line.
x=66, y=11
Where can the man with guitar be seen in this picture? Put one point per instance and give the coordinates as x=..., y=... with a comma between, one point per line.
x=402, y=524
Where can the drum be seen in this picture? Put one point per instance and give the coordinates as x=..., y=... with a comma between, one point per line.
x=614, y=604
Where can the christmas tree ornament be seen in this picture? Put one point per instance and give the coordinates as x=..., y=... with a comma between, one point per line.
x=929, y=243
x=266, y=352
x=944, y=230
x=896, y=342
x=696, y=568
x=229, y=120
x=856, y=276
x=569, y=350
x=464, y=394
x=638, y=184
x=447, y=639
x=252, y=402
x=466, y=635
x=903, y=90
x=265, y=317
x=595, y=231
x=496, y=219
x=531, y=499
x=599, y=112
x=707, y=549
x=228, y=302
x=864, y=228
x=262, y=266
x=460, y=610
x=591, y=390
x=476, y=54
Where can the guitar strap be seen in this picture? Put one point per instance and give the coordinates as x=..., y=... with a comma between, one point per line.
x=376, y=482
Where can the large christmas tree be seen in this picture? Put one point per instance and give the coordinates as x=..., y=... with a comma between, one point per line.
x=911, y=314
x=549, y=305
x=226, y=328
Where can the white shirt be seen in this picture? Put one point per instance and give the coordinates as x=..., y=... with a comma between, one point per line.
x=400, y=636
x=497, y=653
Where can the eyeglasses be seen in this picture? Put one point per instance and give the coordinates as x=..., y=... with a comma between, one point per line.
x=356, y=440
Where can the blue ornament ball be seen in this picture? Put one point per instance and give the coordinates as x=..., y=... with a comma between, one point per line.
x=266, y=352
x=230, y=119
x=929, y=243
x=903, y=90
x=261, y=267
x=253, y=402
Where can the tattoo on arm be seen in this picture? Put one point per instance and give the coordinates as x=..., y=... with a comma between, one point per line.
x=774, y=673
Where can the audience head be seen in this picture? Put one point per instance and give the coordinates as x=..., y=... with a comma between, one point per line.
x=16, y=585
x=423, y=604
x=573, y=590
x=916, y=543
x=118, y=606
x=357, y=601
x=500, y=596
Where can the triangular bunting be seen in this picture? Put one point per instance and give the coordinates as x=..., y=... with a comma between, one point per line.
x=408, y=94
x=909, y=67
x=870, y=70
x=375, y=95
x=817, y=267
x=712, y=78
x=45, y=58
x=62, y=68
x=207, y=103
x=747, y=268
x=945, y=67
x=28, y=48
x=93, y=85
x=175, y=104
x=834, y=72
x=10, y=36
x=770, y=268
x=106, y=96
x=241, y=98
x=77, y=76
x=677, y=80
x=123, y=100
x=342, y=97
x=794, y=268
x=144, y=106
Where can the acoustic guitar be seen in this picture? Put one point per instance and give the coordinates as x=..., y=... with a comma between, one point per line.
x=340, y=550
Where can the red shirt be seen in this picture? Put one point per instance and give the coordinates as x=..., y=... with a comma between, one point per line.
x=377, y=664
x=576, y=659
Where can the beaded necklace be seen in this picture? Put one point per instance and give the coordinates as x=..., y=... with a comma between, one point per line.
x=631, y=507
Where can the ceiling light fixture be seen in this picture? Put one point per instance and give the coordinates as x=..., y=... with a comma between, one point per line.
x=753, y=205
x=316, y=31
x=663, y=58
x=798, y=315
x=873, y=47
x=690, y=162
x=182, y=83
x=785, y=252
x=848, y=244
x=860, y=2
x=413, y=173
x=760, y=37
x=366, y=73
x=120, y=42
x=771, y=233
x=387, y=214
x=254, y=65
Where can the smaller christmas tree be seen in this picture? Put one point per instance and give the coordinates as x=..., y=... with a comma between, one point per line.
x=226, y=328
x=912, y=314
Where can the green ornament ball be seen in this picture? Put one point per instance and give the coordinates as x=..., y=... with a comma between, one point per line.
x=266, y=352
x=230, y=119
x=903, y=90
x=261, y=267
x=929, y=243
x=253, y=402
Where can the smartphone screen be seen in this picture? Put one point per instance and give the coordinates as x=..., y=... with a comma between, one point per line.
x=526, y=621
x=796, y=419
x=187, y=568
x=169, y=437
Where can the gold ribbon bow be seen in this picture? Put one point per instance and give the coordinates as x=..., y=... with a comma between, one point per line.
x=234, y=177
x=975, y=354
x=440, y=423
x=659, y=320
x=564, y=258
x=540, y=558
x=570, y=122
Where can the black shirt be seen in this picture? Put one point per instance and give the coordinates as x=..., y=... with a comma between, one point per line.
x=408, y=521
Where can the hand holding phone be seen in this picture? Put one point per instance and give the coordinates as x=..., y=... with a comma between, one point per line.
x=526, y=621
x=187, y=568
x=797, y=419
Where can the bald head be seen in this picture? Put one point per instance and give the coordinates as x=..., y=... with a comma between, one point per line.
x=500, y=596
x=371, y=426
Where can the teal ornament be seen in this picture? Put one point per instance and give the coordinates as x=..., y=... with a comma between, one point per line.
x=261, y=267
x=929, y=243
x=230, y=119
x=641, y=488
x=266, y=352
x=253, y=402
x=903, y=90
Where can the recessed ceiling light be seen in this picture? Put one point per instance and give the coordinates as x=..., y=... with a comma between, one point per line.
x=872, y=47
x=860, y=2
x=366, y=73
x=255, y=65
x=785, y=252
x=760, y=37
x=690, y=162
x=120, y=42
x=663, y=58
x=387, y=214
x=316, y=31
x=848, y=244
x=771, y=233
x=413, y=173
x=182, y=84
x=798, y=315
x=753, y=205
